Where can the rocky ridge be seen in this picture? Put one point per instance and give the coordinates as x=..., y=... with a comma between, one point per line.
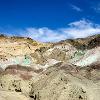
x=66, y=70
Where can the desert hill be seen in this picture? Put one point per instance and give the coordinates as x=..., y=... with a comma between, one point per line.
x=66, y=70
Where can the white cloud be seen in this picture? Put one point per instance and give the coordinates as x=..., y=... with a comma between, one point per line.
x=82, y=28
x=96, y=8
x=77, y=29
x=74, y=7
x=44, y=34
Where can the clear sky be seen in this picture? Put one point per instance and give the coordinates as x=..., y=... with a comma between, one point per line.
x=50, y=20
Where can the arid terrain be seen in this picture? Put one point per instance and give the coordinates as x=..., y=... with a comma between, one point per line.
x=65, y=70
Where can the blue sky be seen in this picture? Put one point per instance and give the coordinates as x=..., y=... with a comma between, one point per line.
x=50, y=20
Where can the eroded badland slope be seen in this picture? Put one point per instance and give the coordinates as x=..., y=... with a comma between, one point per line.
x=66, y=70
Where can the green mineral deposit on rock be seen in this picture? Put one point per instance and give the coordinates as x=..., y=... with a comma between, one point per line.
x=78, y=54
x=26, y=60
x=17, y=61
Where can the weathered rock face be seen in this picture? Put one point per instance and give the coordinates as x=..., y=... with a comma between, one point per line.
x=6, y=95
x=84, y=43
x=17, y=50
x=67, y=70
x=61, y=84
x=14, y=83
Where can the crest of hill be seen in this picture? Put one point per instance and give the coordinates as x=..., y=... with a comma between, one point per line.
x=80, y=43
x=83, y=43
x=4, y=38
x=19, y=39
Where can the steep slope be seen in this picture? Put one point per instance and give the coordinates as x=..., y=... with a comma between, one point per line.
x=90, y=57
x=67, y=70
x=17, y=50
x=65, y=82
x=84, y=43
